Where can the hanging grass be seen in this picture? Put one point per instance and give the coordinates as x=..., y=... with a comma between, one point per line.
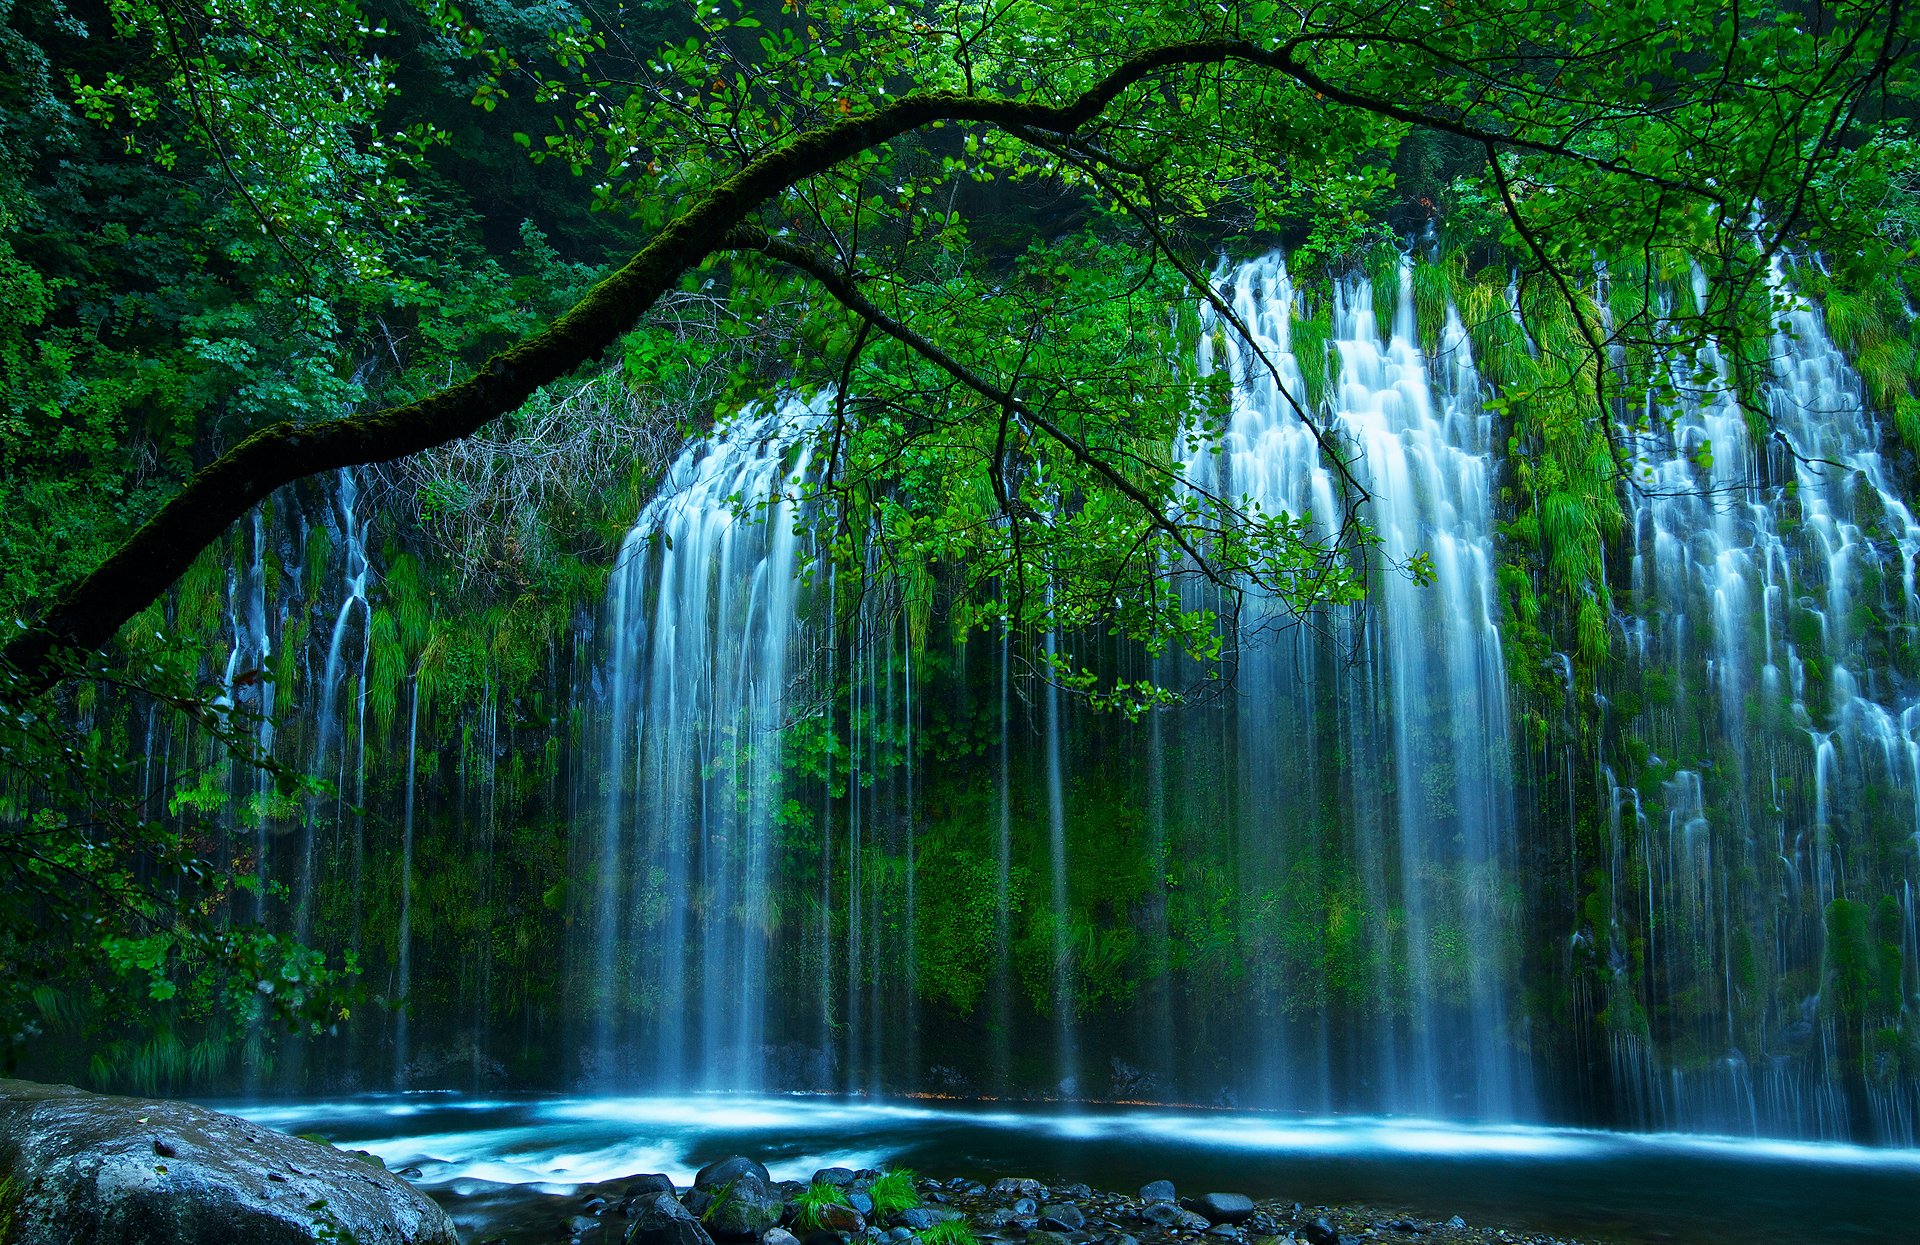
x=1313, y=352
x=1382, y=267
x=1432, y=294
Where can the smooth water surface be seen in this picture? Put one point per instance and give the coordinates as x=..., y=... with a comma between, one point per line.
x=481, y=1155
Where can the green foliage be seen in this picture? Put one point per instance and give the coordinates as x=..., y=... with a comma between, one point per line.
x=950, y=1232
x=812, y=1200
x=893, y=1192
x=113, y=905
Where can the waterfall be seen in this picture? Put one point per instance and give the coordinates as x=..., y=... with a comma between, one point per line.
x=1415, y=905
x=403, y=955
x=1066, y=1046
x=703, y=609
x=329, y=730
x=1769, y=576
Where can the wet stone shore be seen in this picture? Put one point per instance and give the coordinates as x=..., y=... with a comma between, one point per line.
x=736, y=1202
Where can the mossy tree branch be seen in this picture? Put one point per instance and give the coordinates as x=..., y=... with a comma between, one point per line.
x=90, y=612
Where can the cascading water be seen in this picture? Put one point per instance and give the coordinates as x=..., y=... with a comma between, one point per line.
x=1402, y=851
x=937, y=874
x=341, y=758
x=702, y=622
x=1764, y=849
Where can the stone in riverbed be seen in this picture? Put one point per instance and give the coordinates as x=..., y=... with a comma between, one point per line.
x=729, y=1169
x=1011, y=1187
x=1221, y=1207
x=920, y=1218
x=1157, y=1191
x=742, y=1210
x=1044, y=1237
x=1062, y=1217
x=838, y=1177
x=660, y=1219
x=837, y=1218
x=1025, y=1206
x=779, y=1236
x=1456, y=1223
x=1167, y=1215
x=647, y=1185
x=861, y=1201
x=1321, y=1232
x=91, y=1169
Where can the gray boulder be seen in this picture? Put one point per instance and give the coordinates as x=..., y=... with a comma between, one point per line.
x=1062, y=1217
x=743, y=1210
x=647, y=1185
x=725, y=1170
x=1157, y=1191
x=660, y=1219
x=838, y=1177
x=1221, y=1207
x=91, y=1169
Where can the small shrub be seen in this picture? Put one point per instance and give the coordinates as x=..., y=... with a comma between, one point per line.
x=893, y=1193
x=952, y=1232
x=814, y=1198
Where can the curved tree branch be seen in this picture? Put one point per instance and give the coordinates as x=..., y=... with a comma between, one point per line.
x=89, y=613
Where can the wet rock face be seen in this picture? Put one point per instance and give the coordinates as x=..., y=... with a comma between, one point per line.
x=658, y=1219
x=91, y=1169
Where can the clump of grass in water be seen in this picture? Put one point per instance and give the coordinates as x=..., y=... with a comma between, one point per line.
x=813, y=1199
x=952, y=1232
x=893, y=1193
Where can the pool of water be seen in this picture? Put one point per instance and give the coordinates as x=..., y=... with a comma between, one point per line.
x=490, y=1159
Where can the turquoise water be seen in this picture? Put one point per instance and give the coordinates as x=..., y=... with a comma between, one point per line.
x=493, y=1160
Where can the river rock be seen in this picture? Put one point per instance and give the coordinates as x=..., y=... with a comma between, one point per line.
x=730, y=1169
x=837, y=1218
x=647, y=1185
x=838, y=1177
x=1025, y=1206
x=1010, y=1188
x=660, y=1219
x=861, y=1201
x=1040, y=1236
x=1321, y=1232
x=1162, y=1214
x=1062, y=1217
x=1456, y=1223
x=779, y=1236
x=92, y=1169
x=1157, y=1191
x=1221, y=1207
x=743, y=1210
x=920, y=1218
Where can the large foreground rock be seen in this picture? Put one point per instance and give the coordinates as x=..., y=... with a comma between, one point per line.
x=88, y=1169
